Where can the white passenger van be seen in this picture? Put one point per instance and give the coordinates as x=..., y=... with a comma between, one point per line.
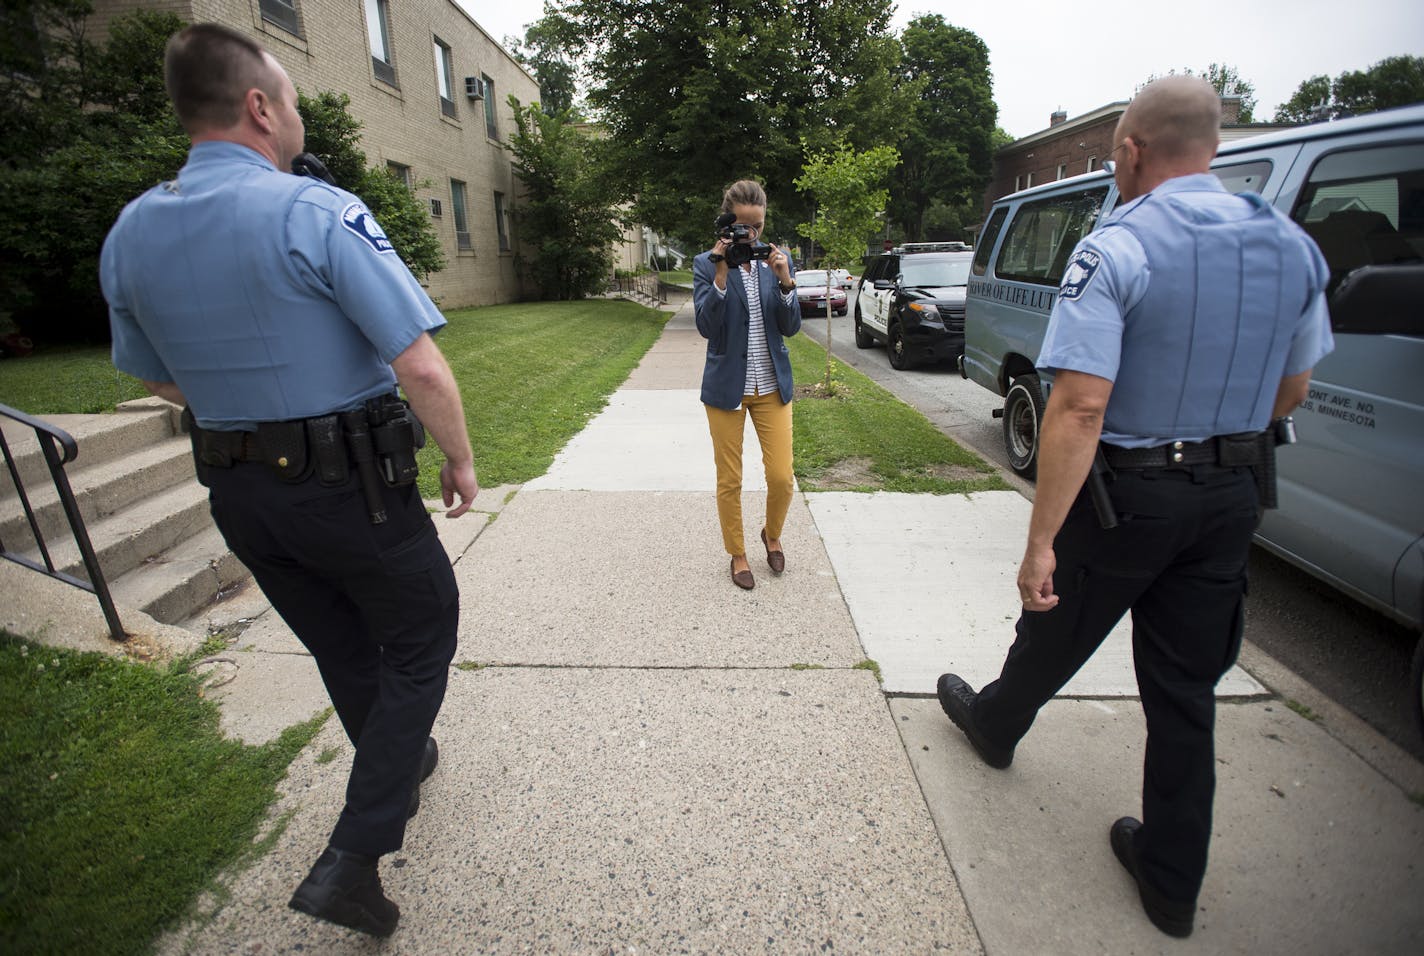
x=1352, y=490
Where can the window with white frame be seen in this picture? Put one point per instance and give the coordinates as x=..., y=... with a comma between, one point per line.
x=444, y=78
x=1092, y=163
x=457, y=206
x=378, y=33
x=1062, y=171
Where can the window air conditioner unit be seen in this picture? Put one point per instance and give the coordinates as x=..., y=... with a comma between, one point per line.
x=474, y=88
x=435, y=207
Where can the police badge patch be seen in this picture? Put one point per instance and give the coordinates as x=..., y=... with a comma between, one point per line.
x=1081, y=269
x=355, y=218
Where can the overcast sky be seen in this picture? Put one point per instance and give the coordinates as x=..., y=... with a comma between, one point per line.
x=1077, y=56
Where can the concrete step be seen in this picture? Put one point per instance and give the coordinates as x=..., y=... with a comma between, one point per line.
x=139, y=533
x=174, y=585
x=101, y=439
x=99, y=491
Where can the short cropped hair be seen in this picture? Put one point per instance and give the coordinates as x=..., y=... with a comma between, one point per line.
x=743, y=192
x=208, y=69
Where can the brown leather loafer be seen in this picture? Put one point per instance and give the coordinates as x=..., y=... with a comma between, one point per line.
x=775, y=559
x=742, y=579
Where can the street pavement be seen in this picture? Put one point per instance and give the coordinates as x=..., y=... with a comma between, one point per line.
x=636, y=756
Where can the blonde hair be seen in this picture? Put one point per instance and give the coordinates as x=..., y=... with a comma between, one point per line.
x=743, y=192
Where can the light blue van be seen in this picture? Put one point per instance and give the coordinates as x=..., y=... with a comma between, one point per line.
x=1352, y=490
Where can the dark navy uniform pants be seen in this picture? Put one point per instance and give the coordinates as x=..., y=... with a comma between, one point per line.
x=1177, y=561
x=377, y=607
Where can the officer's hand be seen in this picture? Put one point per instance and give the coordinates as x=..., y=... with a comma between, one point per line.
x=1036, y=580
x=458, y=480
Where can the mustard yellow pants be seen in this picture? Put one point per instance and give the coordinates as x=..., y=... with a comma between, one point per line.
x=771, y=417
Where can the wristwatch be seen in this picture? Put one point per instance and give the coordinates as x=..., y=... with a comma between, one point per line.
x=786, y=288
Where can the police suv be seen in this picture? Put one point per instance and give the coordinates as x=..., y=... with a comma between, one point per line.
x=1352, y=490
x=912, y=299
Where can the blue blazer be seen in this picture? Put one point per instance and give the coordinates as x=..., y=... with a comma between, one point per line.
x=723, y=321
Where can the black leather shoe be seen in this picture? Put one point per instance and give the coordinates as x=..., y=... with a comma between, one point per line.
x=345, y=888
x=427, y=767
x=957, y=700
x=1170, y=916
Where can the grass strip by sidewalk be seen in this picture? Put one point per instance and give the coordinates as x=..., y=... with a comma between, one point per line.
x=865, y=439
x=66, y=380
x=531, y=376
x=119, y=798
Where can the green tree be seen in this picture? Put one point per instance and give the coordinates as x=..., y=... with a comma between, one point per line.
x=695, y=95
x=333, y=135
x=1393, y=81
x=849, y=193
x=1310, y=102
x=547, y=51
x=566, y=214
x=82, y=135
x=947, y=149
x=1228, y=82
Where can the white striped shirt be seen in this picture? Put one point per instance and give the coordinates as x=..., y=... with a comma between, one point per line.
x=761, y=377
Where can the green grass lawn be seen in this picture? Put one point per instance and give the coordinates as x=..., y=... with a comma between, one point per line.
x=865, y=439
x=119, y=798
x=677, y=277
x=67, y=380
x=532, y=375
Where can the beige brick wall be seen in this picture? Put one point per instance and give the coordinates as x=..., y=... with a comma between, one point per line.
x=404, y=123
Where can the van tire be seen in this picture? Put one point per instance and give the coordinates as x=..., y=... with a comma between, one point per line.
x=1416, y=686
x=1023, y=414
x=863, y=339
x=895, y=348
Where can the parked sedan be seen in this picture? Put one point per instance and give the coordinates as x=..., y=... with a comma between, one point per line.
x=811, y=292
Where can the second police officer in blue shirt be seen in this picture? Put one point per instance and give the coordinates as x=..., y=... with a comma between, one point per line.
x=1184, y=325
x=275, y=309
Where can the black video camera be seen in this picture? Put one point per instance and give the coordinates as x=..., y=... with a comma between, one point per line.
x=742, y=250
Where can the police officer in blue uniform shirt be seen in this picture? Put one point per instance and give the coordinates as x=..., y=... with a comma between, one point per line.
x=275, y=309
x=1184, y=325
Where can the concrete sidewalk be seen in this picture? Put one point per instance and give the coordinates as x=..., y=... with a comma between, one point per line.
x=637, y=756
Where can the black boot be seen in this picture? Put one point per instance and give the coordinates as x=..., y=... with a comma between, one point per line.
x=345, y=888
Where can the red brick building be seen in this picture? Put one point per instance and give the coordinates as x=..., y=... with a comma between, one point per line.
x=1070, y=147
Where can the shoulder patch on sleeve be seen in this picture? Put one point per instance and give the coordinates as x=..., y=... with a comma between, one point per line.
x=1081, y=269
x=356, y=219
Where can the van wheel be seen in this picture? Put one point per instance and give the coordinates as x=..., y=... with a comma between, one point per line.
x=863, y=339
x=1023, y=412
x=1416, y=685
x=899, y=357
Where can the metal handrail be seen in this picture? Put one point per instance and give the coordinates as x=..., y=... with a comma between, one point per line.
x=648, y=284
x=51, y=440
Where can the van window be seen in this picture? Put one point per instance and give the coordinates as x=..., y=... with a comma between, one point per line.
x=1043, y=234
x=1244, y=177
x=986, y=239
x=1365, y=207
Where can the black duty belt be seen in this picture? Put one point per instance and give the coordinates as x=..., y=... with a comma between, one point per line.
x=1245, y=449
x=379, y=440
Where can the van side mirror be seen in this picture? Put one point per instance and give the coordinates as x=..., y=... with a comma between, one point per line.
x=884, y=284
x=1379, y=300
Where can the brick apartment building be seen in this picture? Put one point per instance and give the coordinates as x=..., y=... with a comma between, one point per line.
x=1070, y=147
x=430, y=85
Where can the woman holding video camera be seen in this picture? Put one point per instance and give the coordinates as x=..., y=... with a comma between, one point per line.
x=744, y=296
